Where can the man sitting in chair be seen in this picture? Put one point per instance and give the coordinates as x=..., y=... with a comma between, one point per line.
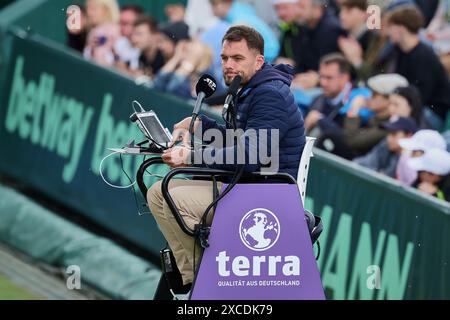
x=264, y=103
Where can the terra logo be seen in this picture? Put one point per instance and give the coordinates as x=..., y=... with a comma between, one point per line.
x=259, y=229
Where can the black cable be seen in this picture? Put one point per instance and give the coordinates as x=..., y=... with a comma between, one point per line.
x=318, y=250
x=236, y=176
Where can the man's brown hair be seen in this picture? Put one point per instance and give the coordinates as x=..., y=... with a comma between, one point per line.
x=150, y=22
x=408, y=16
x=339, y=59
x=359, y=4
x=254, y=39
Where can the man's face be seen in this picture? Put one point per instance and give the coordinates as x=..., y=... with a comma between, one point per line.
x=287, y=12
x=393, y=138
x=141, y=37
x=220, y=8
x=127, y=20
x=378, y=102
x=238, y=59
x=352, y=18
x=395, y=33
x=306, y=11
x=332, y=81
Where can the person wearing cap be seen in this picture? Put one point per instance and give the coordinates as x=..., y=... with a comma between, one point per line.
x=359, y=137
x=415, y=147
x=170, y=36
x=418, y=63
x=384, y=157
x=433, y=169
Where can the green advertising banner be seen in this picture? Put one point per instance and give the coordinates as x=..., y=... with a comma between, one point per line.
x=58, y=116
x=380, y=240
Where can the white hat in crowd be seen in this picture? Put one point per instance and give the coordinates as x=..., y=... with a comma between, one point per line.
x=436, y=161
x=424, y=140
x=387, y=83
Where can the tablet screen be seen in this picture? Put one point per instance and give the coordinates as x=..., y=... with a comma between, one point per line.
x=154, y=128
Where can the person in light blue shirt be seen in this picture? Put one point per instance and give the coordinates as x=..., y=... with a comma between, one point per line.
x=237, y=13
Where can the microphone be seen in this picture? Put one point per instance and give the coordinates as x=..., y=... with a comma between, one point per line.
x=232, y=91
x=206, y=86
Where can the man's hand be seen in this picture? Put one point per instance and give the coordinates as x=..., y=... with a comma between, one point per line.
x=181, y=130
x=352, y=50
x=307, y=80
x=176, y=157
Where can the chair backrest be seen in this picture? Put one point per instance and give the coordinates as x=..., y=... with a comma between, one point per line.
x=302, y=175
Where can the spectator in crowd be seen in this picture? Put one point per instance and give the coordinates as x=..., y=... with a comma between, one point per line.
x=427, y=7
x=127, y=55
x=360, y=138
x=175, y=12
x=235, y=13
x=433, y=169
x=145, y=37
x=318, y=36
x=103, y=17
x=328, y=110
x=375, y=54
x=438, y=32
x=288, y=11
x=419, y=64
x=76, y=35
x=170, y=35
x=180, y=74
x=353, y=17
x=415, y=147
x=406, y=102
x=361, y=44
x=384, y=157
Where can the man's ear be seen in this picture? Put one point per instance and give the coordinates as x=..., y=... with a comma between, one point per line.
x=259, y=61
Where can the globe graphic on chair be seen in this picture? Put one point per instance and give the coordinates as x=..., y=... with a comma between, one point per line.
x=259, y=229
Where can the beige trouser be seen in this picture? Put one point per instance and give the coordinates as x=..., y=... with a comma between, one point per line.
x=191, y=198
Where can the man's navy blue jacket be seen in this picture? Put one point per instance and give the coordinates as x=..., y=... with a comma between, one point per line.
x=266, y=102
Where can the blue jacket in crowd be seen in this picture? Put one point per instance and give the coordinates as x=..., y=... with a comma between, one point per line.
x=266, y=102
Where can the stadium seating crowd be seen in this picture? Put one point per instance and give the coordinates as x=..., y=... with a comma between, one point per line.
x=371, y=76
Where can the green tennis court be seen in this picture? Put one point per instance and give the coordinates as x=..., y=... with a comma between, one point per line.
x=11, y=291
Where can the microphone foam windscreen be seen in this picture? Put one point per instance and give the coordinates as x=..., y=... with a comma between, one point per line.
x=206, y=84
